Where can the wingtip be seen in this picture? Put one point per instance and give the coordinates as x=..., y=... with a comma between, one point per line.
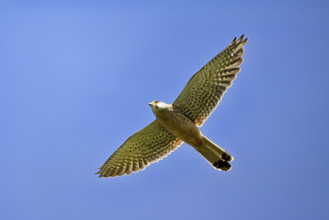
x=240, y=39
x=240, y=42
x=244, y=41
x=99, y=173
x=233, y=41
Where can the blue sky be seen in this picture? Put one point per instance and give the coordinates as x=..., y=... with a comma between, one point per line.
x=75, y=81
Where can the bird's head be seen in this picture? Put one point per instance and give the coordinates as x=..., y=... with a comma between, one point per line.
x=158, y=105
x=154, y=104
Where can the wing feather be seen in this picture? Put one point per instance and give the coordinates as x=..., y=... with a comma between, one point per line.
x=146, y=146
x=205, y=89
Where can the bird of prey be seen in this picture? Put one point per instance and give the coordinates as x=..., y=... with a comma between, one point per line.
x=178, y=122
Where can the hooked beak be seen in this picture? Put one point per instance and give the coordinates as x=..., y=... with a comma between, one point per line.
x=151, y=104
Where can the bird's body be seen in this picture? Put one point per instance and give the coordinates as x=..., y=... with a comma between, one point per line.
x=178, y=122
x=186, y=130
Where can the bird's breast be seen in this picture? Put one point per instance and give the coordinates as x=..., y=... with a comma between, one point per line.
x=179, y=125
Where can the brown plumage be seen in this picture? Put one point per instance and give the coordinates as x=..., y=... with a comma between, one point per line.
x=177, y=123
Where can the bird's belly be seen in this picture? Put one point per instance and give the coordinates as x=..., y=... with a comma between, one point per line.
x=181, y=126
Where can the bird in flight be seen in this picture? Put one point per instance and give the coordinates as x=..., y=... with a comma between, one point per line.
x=178, y=122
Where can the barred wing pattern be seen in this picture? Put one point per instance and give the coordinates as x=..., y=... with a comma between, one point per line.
x=146, y=146
x=205, y=89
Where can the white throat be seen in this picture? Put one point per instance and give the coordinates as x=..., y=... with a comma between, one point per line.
x=162, y=105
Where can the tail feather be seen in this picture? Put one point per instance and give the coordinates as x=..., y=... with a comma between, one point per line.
x=219, y=151
x=215, y=155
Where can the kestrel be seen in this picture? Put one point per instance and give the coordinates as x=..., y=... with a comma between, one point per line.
x=178, y=122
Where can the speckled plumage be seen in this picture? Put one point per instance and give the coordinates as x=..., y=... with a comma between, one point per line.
x=205, y=89
x=148, y=145
x=196, y=102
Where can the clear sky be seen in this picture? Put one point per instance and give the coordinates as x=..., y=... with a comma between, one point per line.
x=76, y=78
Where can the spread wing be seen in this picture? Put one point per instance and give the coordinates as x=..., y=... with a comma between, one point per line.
x=146, y=146
x=205, y=89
